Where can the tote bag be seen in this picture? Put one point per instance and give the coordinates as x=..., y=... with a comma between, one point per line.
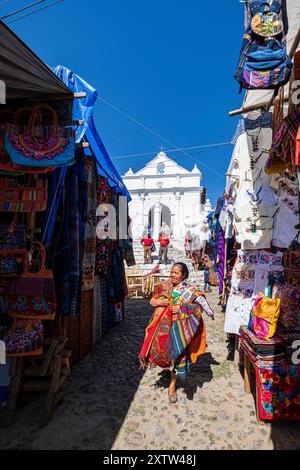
x=32, y=295
x=39, y=145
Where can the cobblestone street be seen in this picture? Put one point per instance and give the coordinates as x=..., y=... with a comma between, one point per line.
x=110, y=404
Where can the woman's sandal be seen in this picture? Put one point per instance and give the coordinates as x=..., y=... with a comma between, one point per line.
x=172, y=398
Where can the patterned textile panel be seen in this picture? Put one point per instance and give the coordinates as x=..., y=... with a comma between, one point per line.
x=278, y=389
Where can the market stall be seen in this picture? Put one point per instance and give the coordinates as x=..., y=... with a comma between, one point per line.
x=61, y=286
x=260, y=213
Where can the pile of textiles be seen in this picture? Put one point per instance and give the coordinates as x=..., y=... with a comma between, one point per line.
x=278, y=392
x=262, y=352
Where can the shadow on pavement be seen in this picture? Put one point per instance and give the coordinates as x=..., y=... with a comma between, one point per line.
x=200, y=373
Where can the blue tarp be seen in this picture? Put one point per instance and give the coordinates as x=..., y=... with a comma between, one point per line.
x=83, y=110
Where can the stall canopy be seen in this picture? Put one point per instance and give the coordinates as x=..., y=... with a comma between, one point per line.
x=24, y=74
x=83, y=110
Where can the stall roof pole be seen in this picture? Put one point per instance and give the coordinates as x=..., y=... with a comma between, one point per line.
x=267, y=104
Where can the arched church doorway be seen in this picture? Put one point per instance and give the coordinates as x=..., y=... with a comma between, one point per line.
x=158, y=214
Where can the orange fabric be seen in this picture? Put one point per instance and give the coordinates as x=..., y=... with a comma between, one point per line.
x=198, y=345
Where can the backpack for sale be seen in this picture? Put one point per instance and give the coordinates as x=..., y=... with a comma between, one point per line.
x=264, y=62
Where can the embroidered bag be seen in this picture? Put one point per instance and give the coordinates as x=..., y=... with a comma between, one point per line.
x=32, y=295
x=12, y=247
x=12, y=238
x=38, y=145
x=264, y=316
x=17, y=196
x=24, y=339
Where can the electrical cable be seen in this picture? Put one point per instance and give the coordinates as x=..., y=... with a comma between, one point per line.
x=36, y=11
x=157, y=135
x=23, y=9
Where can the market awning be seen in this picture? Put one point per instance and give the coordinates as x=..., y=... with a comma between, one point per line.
x=25, y=75
x=83, y=111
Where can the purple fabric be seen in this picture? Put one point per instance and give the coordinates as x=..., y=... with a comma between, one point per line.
x=221, y=256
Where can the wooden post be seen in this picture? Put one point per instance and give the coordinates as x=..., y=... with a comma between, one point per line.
x=247, y=373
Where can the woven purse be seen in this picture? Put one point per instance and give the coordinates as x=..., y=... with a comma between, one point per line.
x=32, y=295
x=24, y=339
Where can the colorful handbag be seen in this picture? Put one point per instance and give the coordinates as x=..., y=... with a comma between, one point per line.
x=264, y=316
x=13, y=238
x=12, y=247
x=24, y=339
x=32, y=295
x=16, y=196
x=7, y=167
x=40, y=146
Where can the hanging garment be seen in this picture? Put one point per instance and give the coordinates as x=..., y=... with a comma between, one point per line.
x=68, y=253
x=237, y=313
x=285, y=221
x=268, y=264
x=89, y=256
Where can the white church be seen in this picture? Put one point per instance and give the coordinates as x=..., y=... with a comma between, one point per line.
x=164, y=191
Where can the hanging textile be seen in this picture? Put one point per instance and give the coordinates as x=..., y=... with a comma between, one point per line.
x=68, y=254
x=89, y=257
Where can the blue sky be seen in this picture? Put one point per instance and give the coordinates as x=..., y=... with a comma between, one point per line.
x=169, y=64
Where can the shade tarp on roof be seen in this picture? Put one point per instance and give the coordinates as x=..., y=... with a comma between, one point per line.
x=83, y=110
x=23, y=72
x=254, y=97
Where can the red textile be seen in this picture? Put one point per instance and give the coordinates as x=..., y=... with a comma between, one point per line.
x=158, y=339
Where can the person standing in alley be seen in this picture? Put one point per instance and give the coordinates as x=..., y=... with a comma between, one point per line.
x=207, y=283
x=147, y=242
x=164, y=242
x=188, y=244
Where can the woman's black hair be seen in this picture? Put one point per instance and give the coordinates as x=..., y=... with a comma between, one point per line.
x=184, y=270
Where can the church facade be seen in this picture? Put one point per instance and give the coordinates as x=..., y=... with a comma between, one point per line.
x=164, y=191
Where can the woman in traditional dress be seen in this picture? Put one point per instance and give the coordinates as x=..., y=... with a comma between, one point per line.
x=176, y=335
x=188, y=244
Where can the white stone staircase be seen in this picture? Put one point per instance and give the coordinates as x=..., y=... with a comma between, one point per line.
x=176, y=253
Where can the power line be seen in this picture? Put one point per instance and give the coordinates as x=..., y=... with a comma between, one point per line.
x=157, y=135
x=22, y=9
x=222, y=144
x=36, y=11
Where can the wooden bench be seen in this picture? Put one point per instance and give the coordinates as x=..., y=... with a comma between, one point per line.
x=46, y=373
